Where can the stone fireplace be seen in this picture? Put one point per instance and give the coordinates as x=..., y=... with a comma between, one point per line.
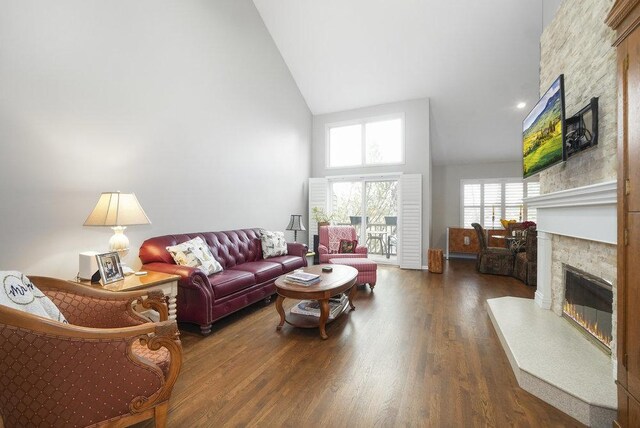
x=576, y=228
x=588, y=305
x=550, y=358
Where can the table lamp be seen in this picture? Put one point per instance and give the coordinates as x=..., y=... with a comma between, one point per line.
x=117, y=210
x=295, y=224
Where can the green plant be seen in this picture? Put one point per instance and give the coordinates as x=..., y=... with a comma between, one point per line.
x=320, y=215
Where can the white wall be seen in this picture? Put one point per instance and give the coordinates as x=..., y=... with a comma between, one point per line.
x=417, y=149
x=186, y=103
x=446, y=192
x=549, y=10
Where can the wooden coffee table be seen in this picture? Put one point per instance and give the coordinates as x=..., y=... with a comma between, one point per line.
x=342, y=279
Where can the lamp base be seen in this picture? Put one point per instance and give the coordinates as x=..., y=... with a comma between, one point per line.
x=119, y=241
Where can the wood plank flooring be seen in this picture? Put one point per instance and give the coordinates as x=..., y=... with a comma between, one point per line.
x=418, y=351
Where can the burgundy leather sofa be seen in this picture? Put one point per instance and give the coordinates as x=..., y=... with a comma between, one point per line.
x=246, y=278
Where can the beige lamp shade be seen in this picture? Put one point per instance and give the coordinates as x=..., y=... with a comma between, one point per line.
x=117, y=209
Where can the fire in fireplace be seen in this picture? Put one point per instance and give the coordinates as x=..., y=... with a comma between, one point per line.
x=588, y=305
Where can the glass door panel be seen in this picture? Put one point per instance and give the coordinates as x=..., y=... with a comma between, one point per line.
x=372, y=208
x=346, y=200
x=381, y=205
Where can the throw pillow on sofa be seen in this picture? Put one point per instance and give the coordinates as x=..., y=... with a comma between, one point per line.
x=18, y=292
x=273, y=244
x=348, y=246
x=195, y=253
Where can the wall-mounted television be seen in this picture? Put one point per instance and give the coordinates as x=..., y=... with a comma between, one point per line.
x=543, y=131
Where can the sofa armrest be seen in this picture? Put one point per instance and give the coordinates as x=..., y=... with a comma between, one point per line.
x=322, y=249
x=361, y=249
x=189, y=277
x=98, y=308
x=297, y=249
x=195, y=295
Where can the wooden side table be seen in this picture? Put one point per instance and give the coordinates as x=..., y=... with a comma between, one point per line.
x=152, y=281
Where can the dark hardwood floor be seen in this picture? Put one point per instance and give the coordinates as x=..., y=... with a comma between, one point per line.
x=418, y=351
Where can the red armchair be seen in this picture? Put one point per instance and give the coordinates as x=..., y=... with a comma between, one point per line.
x=329, y=243
x=109, y=365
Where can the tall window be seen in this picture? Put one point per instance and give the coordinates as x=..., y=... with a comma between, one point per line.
x=375, y=141
x=488, y=201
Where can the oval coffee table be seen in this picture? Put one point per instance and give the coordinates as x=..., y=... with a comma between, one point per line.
x=342, y=279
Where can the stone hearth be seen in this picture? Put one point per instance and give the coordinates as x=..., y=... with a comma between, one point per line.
x=575, y=227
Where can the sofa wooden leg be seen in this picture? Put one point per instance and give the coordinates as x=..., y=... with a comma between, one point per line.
x=371, y=286
x=160, y=414
x=205, y=329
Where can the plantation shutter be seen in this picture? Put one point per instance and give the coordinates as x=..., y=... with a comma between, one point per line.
x=513, y=201
x=492, y=195
x=318, y=190
x=410, y=222
x=472, y=201
x=533, y=189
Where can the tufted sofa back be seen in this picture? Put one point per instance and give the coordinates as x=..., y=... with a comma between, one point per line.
x=230, y=248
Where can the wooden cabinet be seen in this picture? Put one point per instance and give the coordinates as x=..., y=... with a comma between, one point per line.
x=462, y=241
x=631, y=278
x=465, y=241
x=625, y=19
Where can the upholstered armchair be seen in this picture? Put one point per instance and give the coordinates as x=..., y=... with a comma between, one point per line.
x=108, y=365
x=493, y=260
x=526, y=265
x=329, y=243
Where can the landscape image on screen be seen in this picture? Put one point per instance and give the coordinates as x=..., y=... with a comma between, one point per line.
x=542, y=132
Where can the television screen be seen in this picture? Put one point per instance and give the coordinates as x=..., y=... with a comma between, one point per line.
x=543, y=131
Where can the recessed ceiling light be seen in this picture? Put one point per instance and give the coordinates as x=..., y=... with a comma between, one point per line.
x=521, y=105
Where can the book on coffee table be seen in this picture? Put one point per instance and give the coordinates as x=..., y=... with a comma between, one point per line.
x=302, y=278
x=312, y=307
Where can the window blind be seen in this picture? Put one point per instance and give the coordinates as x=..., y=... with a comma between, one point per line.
x=533, y=189
x=492, y=194
x=486, y=201
x=513, y=201
x=472, y=196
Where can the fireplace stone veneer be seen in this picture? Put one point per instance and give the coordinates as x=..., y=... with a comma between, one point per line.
x=585, y=214
x=553, y=361
x=576, y=227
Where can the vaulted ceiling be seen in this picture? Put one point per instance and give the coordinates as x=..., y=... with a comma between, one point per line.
x=475, y=60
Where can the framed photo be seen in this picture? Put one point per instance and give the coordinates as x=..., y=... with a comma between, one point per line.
x=109, y=267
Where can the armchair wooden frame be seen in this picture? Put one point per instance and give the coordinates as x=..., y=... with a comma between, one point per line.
x=131, y=327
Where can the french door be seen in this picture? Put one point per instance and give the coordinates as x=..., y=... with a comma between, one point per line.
x=371, y=206
x=347, y=197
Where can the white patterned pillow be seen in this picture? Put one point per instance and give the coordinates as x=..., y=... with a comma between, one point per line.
x=17, y=292
x=273, y=244
x=195, y=253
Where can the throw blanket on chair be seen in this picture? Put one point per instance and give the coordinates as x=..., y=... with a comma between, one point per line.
x=336, y=234
x=17, y=292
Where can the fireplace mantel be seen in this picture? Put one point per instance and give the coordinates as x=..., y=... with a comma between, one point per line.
x=587, y=213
